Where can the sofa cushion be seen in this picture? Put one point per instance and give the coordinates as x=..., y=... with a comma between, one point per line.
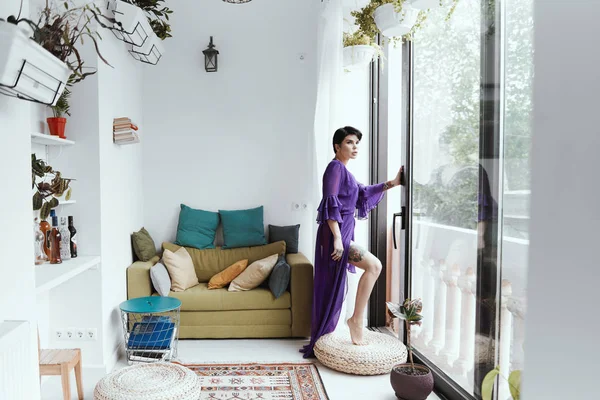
x=288, y=233
x=181, y=269
x=242, y=228
x=254, y=275
x=197, y=228
x=280, y=277
x=160, y=279
x=225, y=277
x=209, y=262
x=143, y=245
x=200, y=298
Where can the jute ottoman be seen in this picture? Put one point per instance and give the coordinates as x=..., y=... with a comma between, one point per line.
x=157, y=381
x=336, y=351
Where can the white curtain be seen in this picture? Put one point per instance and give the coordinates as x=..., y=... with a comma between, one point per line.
x=329, y=88
x=328, y=113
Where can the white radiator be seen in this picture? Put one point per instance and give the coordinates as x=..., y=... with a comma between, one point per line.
x=15, y=358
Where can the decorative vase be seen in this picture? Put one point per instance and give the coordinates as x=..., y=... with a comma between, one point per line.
x=411, y=387
x=395, y=24
x=57, y=126
x=424, y=4
x=357, y=57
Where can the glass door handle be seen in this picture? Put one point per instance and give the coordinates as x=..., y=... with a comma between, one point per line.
x=401, y=214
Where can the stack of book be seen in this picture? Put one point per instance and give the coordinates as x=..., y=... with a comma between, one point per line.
x=125, y=131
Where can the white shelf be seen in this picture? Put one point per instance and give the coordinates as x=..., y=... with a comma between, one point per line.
x=49, y=275
x=65, y=202
x=50, y=140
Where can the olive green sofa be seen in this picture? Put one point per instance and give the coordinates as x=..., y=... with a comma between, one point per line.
x=218, y=313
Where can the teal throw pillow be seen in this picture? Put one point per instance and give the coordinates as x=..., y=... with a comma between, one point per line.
x=196, y=228
x=243, y=228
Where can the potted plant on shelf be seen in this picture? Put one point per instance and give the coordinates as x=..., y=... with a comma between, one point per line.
x=514, y=384
x=46, y=193
x=359, y=50
x=58, y=122
x=410, y=381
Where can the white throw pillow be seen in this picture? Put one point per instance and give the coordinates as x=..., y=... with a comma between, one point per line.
x=160, y=279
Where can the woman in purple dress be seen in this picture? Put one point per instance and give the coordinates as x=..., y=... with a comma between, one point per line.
x=336, y=253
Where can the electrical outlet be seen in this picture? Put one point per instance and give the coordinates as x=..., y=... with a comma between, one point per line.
x=59, y=334
x=91, y=334
x=70, y=333
x=295, y=206
x=80, y=334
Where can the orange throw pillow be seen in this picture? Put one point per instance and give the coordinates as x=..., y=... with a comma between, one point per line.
x=225, y=277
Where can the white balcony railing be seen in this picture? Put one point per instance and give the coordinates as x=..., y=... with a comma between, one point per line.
x=446, y=281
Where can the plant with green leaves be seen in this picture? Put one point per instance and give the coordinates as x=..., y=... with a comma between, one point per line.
x=48, y=188
x=514, y=384
x=158, y=16
x=62, y=106
x=365, y=19
x=358, y=38
x=410, y=312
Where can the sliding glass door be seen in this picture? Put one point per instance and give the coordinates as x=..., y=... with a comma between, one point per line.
x=468, y=143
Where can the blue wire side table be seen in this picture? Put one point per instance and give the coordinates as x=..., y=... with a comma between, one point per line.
x=151, y=328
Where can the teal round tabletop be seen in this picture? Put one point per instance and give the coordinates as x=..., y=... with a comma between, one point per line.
x=150, y=304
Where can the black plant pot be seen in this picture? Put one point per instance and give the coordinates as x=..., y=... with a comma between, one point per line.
x=411, y=387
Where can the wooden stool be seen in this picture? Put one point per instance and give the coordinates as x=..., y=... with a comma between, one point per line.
x=60, y=362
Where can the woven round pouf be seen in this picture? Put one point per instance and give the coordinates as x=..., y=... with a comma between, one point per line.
x=336, y=351
x=158, y=381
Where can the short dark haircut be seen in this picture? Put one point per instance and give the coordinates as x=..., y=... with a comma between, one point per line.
x=340, y=135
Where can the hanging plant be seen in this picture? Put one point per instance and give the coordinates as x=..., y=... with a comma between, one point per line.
x=360, y=51
x=158, y=16
x=61, y=29
x=47, y=192
x=358, y=38
x=365, y=20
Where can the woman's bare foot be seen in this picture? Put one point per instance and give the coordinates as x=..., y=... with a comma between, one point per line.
x=356, y=332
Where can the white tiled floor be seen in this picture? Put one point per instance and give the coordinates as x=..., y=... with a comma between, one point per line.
x=339, y=386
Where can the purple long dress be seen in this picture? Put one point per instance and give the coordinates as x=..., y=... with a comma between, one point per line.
x=342, y=197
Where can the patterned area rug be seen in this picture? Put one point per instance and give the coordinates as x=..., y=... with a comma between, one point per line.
x=289, y=381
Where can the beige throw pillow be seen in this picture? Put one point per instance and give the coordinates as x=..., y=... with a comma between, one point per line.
x=181, y=269
x=254, y=275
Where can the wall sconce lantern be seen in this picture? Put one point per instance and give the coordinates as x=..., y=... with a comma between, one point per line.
x=211, y=57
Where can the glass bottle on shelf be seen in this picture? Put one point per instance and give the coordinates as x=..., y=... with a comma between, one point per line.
x=55, y=240
x=65, y=248
x=39, y=243
x=72, y=238
x=45, y=228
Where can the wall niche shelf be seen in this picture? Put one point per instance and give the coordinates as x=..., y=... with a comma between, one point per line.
x=48, y=276
x=50, y=140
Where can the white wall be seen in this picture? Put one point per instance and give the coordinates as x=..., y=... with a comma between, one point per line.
x=121, y=194
x=17, y=298
x=562, y=324
x=237, y=138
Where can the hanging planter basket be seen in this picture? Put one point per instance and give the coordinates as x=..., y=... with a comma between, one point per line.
x=424, y=4
x=27, y=70
x=358, y=57
x=394, y=24
x=150, y=53
x=135, y=28
x=136, y=32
